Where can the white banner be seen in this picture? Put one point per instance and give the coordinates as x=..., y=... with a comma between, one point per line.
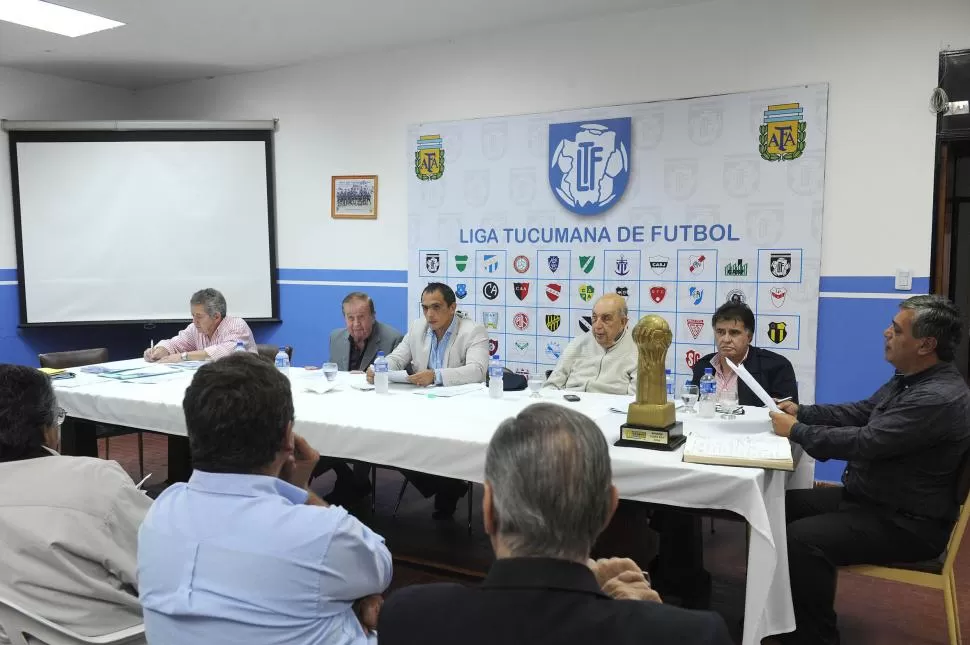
x=678, y=206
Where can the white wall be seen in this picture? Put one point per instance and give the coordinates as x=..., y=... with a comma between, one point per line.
x=350, y=116
x=24, y=95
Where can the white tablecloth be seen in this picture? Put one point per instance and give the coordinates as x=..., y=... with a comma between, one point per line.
x=448, y=436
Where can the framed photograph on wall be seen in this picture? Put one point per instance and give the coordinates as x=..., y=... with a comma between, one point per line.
x=353, y=197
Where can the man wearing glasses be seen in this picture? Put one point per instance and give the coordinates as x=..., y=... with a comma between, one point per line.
x=69, y=524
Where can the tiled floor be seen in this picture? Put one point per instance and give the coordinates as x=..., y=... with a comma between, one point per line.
x=871, y=612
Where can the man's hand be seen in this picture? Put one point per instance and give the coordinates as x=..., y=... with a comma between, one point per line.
x=171, y=358
x=368, y=609
x=155, y=353
x=782, y=423
x=299, y=466
x=423, y=378
x=789, y=407
x=630, y=585
x=607, y=568
x=370, y=375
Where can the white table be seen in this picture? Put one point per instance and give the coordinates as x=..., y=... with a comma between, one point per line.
x=448, y=436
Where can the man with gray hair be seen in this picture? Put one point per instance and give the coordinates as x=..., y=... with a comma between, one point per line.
x=548, y=495
x=211, y=334
x=354, y=347
x=904, y=445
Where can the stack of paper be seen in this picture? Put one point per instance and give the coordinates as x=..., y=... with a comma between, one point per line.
x=452, y=390
x=764, y=450
x=140, y=372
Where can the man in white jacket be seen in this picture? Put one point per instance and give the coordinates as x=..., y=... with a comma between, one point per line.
x=605, y=359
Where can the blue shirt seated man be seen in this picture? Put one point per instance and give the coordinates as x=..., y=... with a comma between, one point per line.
x=243, y=553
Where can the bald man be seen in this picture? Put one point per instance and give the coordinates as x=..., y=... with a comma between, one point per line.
x=603, y=360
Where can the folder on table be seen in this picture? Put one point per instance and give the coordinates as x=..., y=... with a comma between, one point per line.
x=762, y=450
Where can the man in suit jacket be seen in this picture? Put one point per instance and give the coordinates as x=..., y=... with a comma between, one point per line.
x=355, y=346
x=733, y=325
x=548, y=494
x=443, y=348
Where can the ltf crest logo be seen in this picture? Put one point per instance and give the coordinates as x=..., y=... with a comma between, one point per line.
x=589, y=163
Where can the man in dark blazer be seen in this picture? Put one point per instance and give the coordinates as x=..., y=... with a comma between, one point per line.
x=548, y=494
x=354, y=348
x=733, y=325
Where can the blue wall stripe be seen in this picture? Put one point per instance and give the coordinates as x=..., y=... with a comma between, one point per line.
x=869, y=284
x=343, y=275
x=6, y=275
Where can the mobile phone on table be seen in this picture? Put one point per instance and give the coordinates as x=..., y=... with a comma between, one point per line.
x=570, y=397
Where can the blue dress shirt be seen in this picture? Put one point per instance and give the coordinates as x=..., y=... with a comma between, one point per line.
x=229, y=559
x=436, y=359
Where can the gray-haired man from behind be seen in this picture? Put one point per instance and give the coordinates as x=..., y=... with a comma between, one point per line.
x=548, y=495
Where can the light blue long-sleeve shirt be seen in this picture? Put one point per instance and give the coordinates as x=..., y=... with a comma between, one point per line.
x=229, y=559
x=436, y=358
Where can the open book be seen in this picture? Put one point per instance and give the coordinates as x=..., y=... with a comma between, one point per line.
x=763, y=450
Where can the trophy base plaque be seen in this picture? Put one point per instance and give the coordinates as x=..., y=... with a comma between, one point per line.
x=651, y=438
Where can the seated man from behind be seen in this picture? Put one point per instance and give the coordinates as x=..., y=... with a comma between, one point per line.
x=548, y=494
x=243, y=553
x=211, y=334
x=605, y=359
x=69, y=525
x=904, y=445
x=733, y=325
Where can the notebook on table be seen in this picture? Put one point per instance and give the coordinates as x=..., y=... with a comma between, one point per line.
x=762, y=450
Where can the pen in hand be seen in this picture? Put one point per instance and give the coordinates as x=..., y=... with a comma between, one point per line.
x=787, y=398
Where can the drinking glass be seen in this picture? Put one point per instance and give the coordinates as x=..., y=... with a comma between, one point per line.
x=535, y=384
x=728, y=398
x=689, y=396
x=330, y=371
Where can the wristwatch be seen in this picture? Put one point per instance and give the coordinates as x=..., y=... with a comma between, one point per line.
x=185, y=356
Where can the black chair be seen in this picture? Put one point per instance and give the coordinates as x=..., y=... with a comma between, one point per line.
x=269, y=351
x=404, y=485
x=78, y=358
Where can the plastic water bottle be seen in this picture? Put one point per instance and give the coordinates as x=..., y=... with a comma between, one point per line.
x=670, y=386
x=707, y=395
x=381, y=374
x=283, y=362
x=240, y=346
x=495, y=374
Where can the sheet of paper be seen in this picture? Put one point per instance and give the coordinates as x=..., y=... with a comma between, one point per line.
x=397, y=376
x=759, y=391
x=454, y=390
x=764, y=446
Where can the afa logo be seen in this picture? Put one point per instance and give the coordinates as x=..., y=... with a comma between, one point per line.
x=461, y=290
x=429, y=158
x=782, y=135
x=691, y=358
x=589, y=163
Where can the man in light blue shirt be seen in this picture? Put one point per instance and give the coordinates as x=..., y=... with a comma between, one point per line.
x=243, y=553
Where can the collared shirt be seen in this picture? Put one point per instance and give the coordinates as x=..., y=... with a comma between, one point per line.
x=357, y=355
x=726, y=377
x=68, y=533
x=903, y=444
x=221, y=343
x=229, y=559
x=436, y=359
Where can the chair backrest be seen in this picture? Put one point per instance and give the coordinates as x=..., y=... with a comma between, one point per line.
x=963, y=499
x=963, y=479
x=19, y=624
x=267, y=350
x=75, y=358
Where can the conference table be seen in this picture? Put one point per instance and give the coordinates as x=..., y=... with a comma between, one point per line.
x=412, y=428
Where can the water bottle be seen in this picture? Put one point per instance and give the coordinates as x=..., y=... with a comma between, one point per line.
x=380, y=374
x=707, y=395
x=240, y=346
x=495, y=384
x=283, y=362
x=670, y=386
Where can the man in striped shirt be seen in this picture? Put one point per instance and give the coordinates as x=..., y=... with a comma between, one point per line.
x=211, y=334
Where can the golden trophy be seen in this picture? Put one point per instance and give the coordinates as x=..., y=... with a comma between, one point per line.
x=650, y=421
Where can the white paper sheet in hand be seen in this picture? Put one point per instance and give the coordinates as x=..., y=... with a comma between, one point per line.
x=759, y=391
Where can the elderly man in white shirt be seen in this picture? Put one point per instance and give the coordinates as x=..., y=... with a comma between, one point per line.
x=605, y=359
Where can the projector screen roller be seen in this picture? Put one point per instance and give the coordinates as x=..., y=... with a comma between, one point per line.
x=127, y=230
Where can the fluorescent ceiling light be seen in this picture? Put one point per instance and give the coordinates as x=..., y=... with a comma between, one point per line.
x=54, y=18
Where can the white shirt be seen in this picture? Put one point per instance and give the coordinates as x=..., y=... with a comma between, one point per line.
x=585, y=366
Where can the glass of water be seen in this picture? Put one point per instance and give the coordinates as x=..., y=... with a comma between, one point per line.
x=330, y=371
x=689, y=396
x=535, y=384
x=728, y=398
